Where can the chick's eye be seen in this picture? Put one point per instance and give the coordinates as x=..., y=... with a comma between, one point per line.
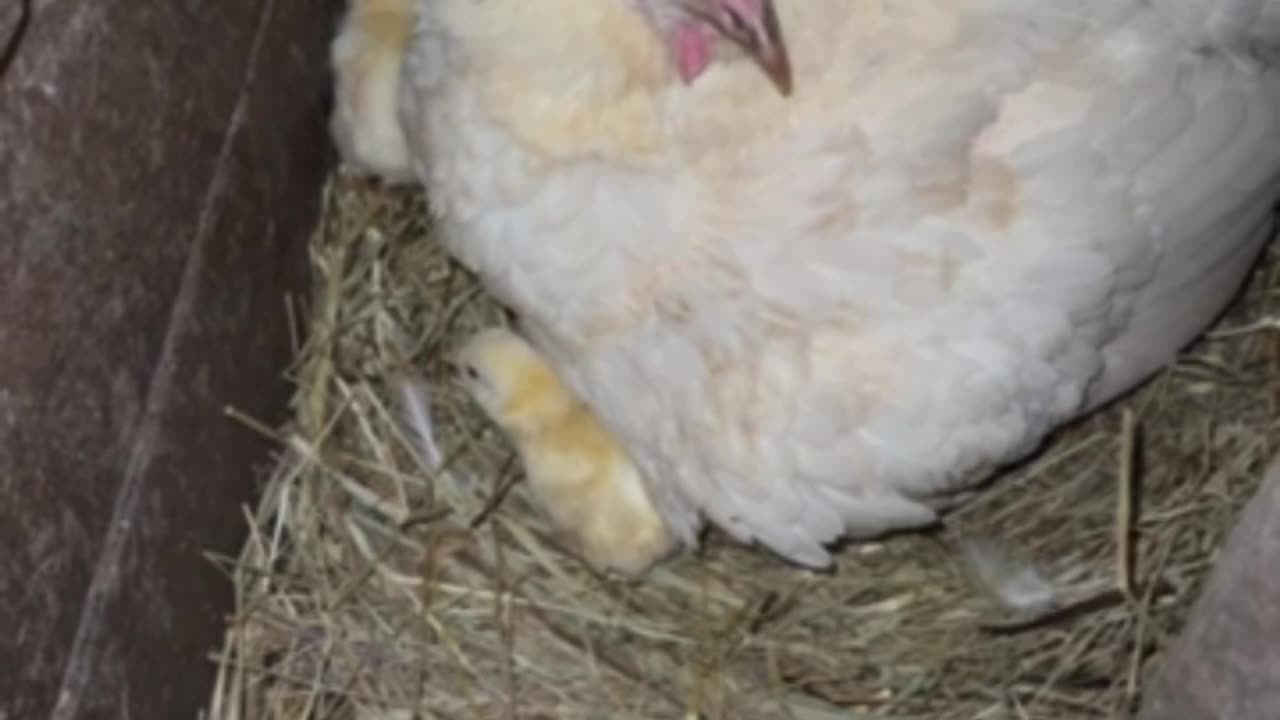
x=471, y=372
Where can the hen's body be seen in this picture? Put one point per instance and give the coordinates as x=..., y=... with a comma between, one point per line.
x=823, y=314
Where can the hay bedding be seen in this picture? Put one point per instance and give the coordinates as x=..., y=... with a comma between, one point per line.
x=376, y=584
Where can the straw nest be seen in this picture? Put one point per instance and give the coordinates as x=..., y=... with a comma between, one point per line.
x=386, y=578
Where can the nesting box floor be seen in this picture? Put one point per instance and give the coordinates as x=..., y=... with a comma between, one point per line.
x=379, y=581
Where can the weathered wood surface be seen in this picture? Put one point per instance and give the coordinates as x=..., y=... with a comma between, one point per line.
x=159, y=173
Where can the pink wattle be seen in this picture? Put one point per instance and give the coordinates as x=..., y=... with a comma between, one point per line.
x=691, y=45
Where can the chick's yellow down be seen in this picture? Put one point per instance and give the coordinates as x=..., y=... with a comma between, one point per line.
x=366, y=56
x=577, y=472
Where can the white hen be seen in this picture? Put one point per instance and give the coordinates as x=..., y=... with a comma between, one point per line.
x=836, y=311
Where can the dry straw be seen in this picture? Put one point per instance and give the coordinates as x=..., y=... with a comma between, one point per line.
x=394, y=568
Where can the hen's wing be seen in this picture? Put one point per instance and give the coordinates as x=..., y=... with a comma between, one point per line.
x=913, y=286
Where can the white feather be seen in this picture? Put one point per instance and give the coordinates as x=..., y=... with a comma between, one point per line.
x=1012, y=579
x=414, y=397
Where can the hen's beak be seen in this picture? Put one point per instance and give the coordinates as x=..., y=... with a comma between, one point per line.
x=760, y=34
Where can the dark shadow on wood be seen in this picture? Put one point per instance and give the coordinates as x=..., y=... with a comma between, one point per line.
x=15, y=37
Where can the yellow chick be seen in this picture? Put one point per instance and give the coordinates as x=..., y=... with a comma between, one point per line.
x=584, y=481
x=367, y=55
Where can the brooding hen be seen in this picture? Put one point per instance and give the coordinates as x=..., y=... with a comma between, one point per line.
x=836, y=310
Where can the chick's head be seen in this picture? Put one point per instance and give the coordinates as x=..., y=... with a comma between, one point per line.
x=513, y=384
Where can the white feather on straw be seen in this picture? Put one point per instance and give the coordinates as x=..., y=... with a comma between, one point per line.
x=1012, y=578
x=415, y=408
x=413, y=397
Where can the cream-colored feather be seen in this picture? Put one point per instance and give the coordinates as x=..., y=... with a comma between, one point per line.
x=834, y=313
x=366, y=57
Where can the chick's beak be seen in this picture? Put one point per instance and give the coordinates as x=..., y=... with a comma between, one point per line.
x=759, y=33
